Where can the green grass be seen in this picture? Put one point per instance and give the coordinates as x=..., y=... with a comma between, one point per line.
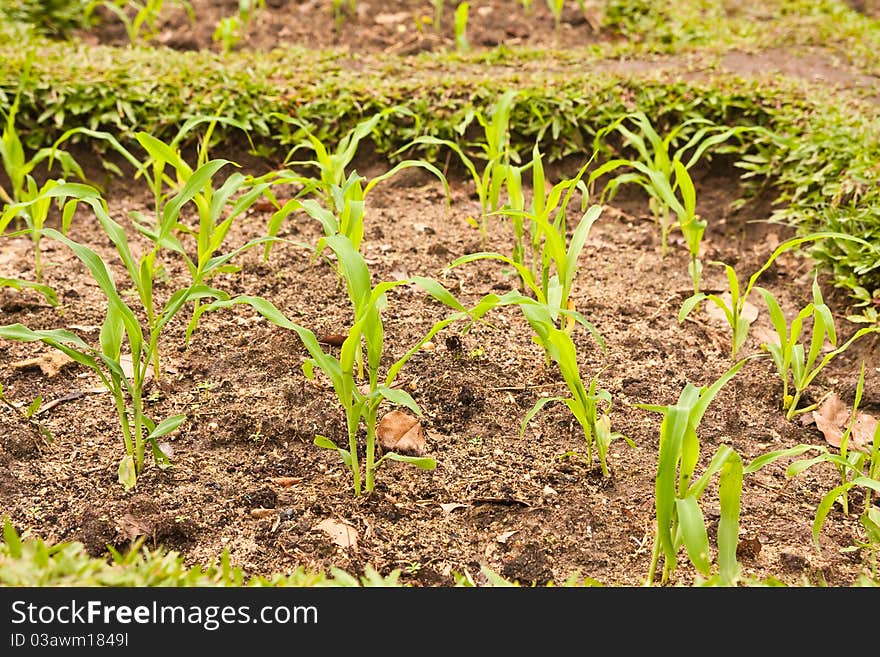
x=823, y=164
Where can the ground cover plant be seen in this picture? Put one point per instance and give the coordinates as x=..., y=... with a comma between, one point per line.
x=526, y=229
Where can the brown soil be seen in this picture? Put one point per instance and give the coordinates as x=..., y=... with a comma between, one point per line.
x=529, y=508
x=400, y=27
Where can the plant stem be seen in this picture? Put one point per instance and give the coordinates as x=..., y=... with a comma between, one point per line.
x=370, y=419
x=352, y=418
x=123, y=417
x=655, y=558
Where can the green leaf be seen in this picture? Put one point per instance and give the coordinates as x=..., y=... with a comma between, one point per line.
x=421, y=462
x=166, y=426
x=689, y=304
x=770, y=457
x=127, y=472
x=693, y=531
x=729, y=494
x=399, y=397
x=326, y=443
x=541, y=403
x=12, y=539
x=17, y=284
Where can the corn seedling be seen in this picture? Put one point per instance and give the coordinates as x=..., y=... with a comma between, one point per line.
x=794, y=363
x=589, y=405
x=16, y=165
x=679, y=519
x=28, y=416
x=551, y=263
x=496, y=152
x=341, y=8
x=438, y=14
x=140, y=18
x=360, y=403
x=121, y=325
x=663, y=172
x=556, y=7
x=231, y=29
x=555, y=259
x=856, y=468
x=175, y=184
x=33, y=209
x=347, y=208
x=332, y=165
x=460, y=25
x=733, y=311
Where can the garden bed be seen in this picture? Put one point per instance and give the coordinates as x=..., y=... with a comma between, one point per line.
x=245, y=476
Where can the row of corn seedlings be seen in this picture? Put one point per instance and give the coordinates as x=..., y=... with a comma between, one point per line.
x=544, y=258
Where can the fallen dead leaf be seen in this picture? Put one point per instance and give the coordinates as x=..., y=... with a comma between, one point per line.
x=504, y=537
x=76, y=394
x=132, y=527
x=285, y=482
x=390, y=18
x=49, y=363
x=449, y=507
x=127, y=365
x=749, y=310
x=765, y=335
x=833, y=417
x=342, y=534
x=333, y=339
x=401, y=433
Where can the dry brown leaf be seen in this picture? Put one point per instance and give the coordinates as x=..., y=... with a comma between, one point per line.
x=76, y=394
x=342, y=534
x=504, y=537
x=49, y=363
x=401, y=433
x=132, y=527
x=285, y=482
x=333, y=339
x=832, y=418
x=391, y=18
x=127, y=365
x=749, y=310
x=765, y=335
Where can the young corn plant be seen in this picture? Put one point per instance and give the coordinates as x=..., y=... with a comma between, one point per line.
x=231, y=29
x=556, y=7
x=438, y=14
x=176, y=185
x=347, y=208
x=33, y=209
x=332, y=165
x=554, y=257
x=140, y=18
x=734, y=309
x=460, y=22
x=796, y=365
x=857, y=468
x=356, y=381
x=497, y=153
x=341, y=9
x=121, y=327
x=589, y=405
x=28, y=416
x=661, y=171
x=680, y=521
x=17, y=166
